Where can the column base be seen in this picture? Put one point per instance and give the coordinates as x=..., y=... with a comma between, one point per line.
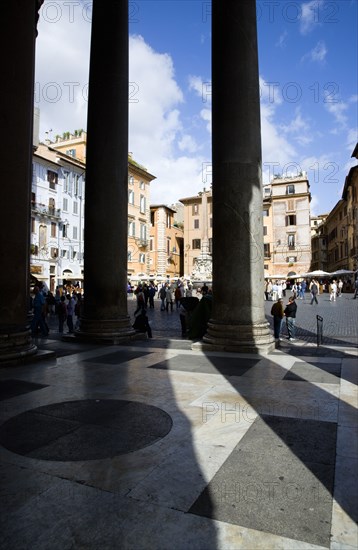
x=16, y=345
x=114, y=331
x=237, y=338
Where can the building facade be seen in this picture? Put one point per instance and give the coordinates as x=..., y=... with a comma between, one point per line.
x=318, y=243
x=166, y=242
x=198, y=221
x=57, y=218
x=139, y=179
x=286, y=226
x=286, y=215
x=335, y=239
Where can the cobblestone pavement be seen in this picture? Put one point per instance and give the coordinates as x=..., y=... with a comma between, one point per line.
x=340, y=320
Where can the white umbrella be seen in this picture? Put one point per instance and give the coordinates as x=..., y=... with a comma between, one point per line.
x=343, y=272
x=275, y=276
x=317, y=273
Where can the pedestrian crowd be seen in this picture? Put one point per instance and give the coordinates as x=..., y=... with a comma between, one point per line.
x=67, y=306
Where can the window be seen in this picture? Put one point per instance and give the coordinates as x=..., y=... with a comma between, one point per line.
x=64, y=230
x=151, y=244
x=51, y=205
x=75, y=207
x=291, y=241
x=195, y=209
x=141, y=258
x=169, y=221
x=196, y=224
x=130, y=196
x=141, y=185
x=66, y=182
x=65, y=205
x=52, y=178
x=131, y=180
x=131, y=228
x=265, y=213
x=291, y=259
x=290, y=189
x=64, y=253
x=71, y=152
x=76, y=184
x=143, y=232
x=168, y=246
x=74, y=232
x=211, y=222
x=54, y=252
x=53, y=229
x=33, y=199
x=290, y=205
x=142, y=204
x=267, y=250
x=265, y=230
x=291, y=219
x=33, y=227
x=196, y=244
x=210, y=246
x=129, y=257
x=152, y=218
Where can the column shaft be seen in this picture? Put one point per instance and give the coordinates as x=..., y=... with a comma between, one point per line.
x=106, y=203
x=238, y=319
x=18, y=35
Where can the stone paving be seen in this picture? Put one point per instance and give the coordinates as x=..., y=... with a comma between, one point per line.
x=340, y=319
x=154, y=446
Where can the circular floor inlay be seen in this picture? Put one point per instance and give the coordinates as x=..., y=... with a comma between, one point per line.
x=91, y=429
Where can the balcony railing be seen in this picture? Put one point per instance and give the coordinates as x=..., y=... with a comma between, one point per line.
x=45, y=210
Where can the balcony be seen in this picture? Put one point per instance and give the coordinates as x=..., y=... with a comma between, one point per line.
x=45, y=210
x=142, y=243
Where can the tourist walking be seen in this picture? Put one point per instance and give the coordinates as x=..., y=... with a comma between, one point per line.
x=277, y=313
x=290, y=314
x=340, y=288
x=70, y=312
x=62, y=313
x=162, y=296
x=38, y=320
x=169, y=298
x=314, y=291
x=355, y=288
x=333, y=294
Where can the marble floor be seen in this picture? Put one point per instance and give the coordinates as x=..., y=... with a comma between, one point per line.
x=156, y=446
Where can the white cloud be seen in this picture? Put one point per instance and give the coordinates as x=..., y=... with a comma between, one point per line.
x=311, y=13
x=281, y=42
x=317, y=54
x=187, y=143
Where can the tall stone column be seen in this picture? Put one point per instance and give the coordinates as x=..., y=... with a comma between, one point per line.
x=238, y=320
x=105, y=316
x=18, y=34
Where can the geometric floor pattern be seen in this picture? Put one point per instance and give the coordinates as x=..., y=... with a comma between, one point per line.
x=154, y=447
x=84, y=430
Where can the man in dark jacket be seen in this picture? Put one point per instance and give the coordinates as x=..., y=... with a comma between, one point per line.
x=290, y=314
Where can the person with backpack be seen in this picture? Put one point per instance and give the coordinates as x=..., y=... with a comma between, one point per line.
x=314, y=291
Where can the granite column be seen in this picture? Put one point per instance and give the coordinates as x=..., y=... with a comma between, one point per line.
x=18, y=36
x=105, y=315
x=238, y=319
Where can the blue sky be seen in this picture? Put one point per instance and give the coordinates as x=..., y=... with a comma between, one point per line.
x=308, y=84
